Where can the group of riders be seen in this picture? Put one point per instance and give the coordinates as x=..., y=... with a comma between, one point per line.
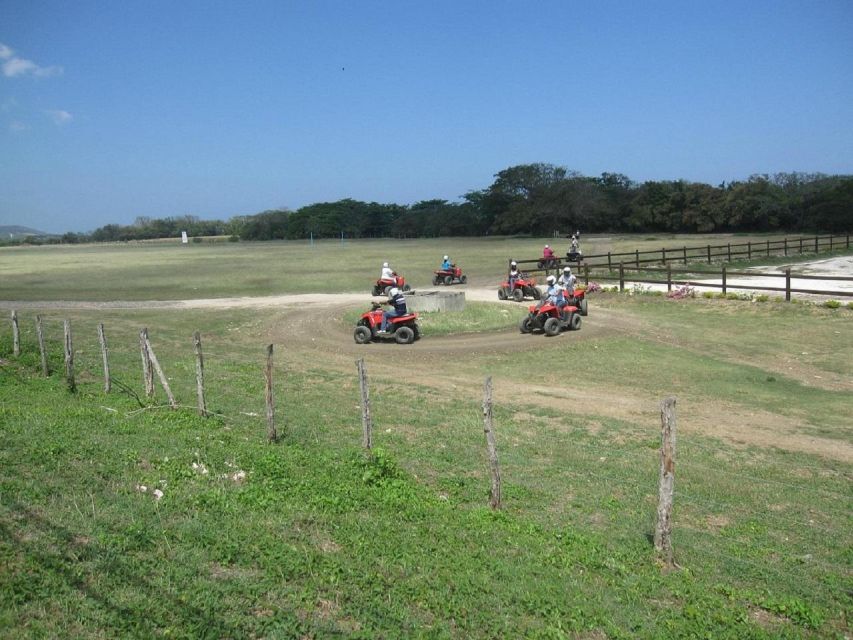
x=559, y=290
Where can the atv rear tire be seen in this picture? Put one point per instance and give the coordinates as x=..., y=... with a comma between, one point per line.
x=502, y=293
x=518, y=295
x=575, y=322
x=376, y=290
x=362, y=334
x=552, y=327
x=583, y=308
x=448, y=280
x=406, y=287
x=436, y=280
x=404, y=335
x=526, y=324
x=537, y=295
x=463, y=279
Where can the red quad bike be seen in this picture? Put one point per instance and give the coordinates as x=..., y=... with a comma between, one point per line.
x=382, y=286
x=402, y=329
x=578, y=299
x=524, y=288
x=450, y=276
x=551, y=320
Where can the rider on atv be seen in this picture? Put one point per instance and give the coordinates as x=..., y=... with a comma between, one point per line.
x=387, y=272
x=398, y=300
x=567, y=280
x=446, y=265
x=555, y=294
x=514, y=274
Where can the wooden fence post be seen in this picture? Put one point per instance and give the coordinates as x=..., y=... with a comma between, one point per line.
x=69, y=358
x=785, y=247
x=272, y=435
x=663, y=255
x=749, y=250
x=16, y=335
x=147, y=370
x=724, y=279
x=621, y=277
x=102, y=338
x=669, y=277
x=817, y=244
x=163, y=381
x=830, y=242
x=801, y=244
x=709, y=254
x=488, y=428
x=45, y=370
x=788, y=285
x=730, y=251
x=637, y=256
x=684, y=249
x=199, y=375
x=666, y=484
x=586, y=273
x=366, y=420
x=768, y=248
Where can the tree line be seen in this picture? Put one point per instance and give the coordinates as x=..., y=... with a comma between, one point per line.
x=539, y=199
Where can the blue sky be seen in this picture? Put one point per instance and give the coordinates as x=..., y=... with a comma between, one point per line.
x=113, y=110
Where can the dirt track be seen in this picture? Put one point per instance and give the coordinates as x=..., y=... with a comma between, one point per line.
x=427, y=363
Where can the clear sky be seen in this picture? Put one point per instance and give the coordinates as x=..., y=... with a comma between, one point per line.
x=111, y=110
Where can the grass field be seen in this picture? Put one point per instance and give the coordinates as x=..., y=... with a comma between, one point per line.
x=170, y=271
x=310, y=538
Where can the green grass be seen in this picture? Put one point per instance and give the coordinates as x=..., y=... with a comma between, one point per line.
x=170, y=271
x=318, y=541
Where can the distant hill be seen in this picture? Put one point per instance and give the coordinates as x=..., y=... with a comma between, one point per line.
x=16, y=232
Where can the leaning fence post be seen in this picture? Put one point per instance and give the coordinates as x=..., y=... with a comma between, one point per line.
x=69, y=358
x=666, y=484
x=147, y=370
x=788, y=284
x=366, y=420
x=272, y=435
x=163, y=381
x=488, y=428
x=16, y=335
x=621, y=277
x=199, y=375
x=45, y=370
x=102, y=338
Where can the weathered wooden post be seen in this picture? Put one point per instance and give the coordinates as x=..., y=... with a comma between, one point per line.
x=663, y=255
x=637, y=257
x=147, y=369
x=749, y=250
x=16, y=335
x=768, y=248
x=709, y=254
x=609, y=265
x=272, y=435
x=730, y=251
x=102, y=339
x=801, y=244
x=666, y=483
x=586, y=273
x=621, y=277
x=724, y=279
x=45, y=370
x=669, y=277
x=199, y=375
x=830, y=242
x=684, y=250
x=491, y=446
x=817, y=244
x=163, y=380
x=366, y=420
x=69, y=358
x=785, y=247
x=788, y=285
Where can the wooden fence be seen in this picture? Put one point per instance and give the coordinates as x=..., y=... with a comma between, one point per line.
x=700, y=253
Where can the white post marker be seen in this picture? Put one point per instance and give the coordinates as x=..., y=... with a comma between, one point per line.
x=184, y=239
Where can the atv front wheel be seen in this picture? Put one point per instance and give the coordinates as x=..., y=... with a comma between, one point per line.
x=583, y=308
x=526, y=324
x=362, y=334
x=575, y=322
x=448, y=280
x=404, y=335
x=463, y=279
x=502, y=293
x=537, y=295
x=518, y=295
x=436, y=280
x=377, y=291
x=552, y=326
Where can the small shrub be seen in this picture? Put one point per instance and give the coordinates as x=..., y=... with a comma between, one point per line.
x=832, y=304
x=778, y=299
x=761, y=298
x=732, y=296
x=708, y=294
x=850, y=305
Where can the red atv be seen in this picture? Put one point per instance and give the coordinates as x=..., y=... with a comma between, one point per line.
x=524, y=288
x=402, y=329
x=450, y=276
x=383, y=286
x=550, y=319
x=578, y=299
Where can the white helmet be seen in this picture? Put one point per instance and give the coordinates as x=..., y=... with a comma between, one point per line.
x=547, y=246
x=384, y=264
x=550, y=279
x=567, y=270
x=394, y=291
x=513, y=264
